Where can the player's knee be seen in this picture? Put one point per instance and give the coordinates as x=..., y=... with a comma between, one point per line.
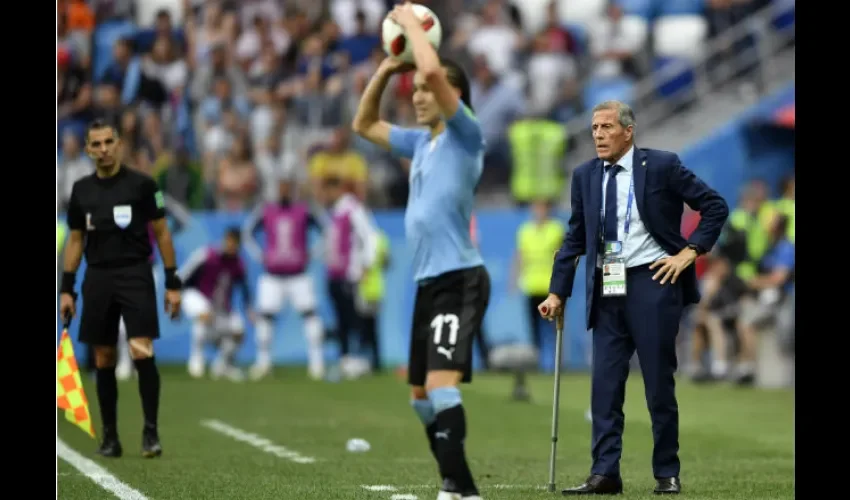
x=422, y=405
x=444, y=397
x=238, y=337
x=205, y=318
x=267, y=317
x=141, y=348
x=105, y=356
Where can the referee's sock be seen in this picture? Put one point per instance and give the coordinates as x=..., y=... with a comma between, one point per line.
x=107, y=398
x=450, y=436
x=148, y=389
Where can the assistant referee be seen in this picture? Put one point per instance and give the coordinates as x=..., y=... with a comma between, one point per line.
x=108, y=215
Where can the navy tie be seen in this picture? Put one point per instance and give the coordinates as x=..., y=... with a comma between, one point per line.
x=610, y=222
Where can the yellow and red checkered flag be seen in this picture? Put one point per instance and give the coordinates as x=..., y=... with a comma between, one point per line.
x=69, y=387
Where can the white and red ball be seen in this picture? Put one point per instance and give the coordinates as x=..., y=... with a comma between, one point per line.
x=395, y=42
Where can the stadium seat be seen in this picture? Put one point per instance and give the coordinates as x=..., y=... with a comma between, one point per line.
x=105, y=36
x=680, y=7
x=146, y=11
x=635, y=29
x=680, y=36
x=641, y=8
x=581, y=11
x=784, y=14
x=679, y=44
x=605, y=89
x=533, y=13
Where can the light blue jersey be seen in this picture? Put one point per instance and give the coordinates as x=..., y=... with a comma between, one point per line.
x=443, y=175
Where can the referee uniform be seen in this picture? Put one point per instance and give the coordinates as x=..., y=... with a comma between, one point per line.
x=113, y=214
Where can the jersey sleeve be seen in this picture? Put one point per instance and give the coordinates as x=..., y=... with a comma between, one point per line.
x=465, y=125
x=403, y=140
x=153, y=201
x=76, y=218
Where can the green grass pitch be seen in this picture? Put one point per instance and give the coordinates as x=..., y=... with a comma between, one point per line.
x=735, y=443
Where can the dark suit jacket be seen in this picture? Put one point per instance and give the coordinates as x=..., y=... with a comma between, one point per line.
x=662, y=186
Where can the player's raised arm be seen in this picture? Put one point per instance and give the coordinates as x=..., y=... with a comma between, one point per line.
x=427, y=61
x=367, y=122
x=444, y=79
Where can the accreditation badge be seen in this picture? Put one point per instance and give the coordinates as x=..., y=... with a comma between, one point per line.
x=613, y=270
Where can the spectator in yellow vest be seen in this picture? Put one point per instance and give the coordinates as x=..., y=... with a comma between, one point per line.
x=786, y=204
x=537, y=241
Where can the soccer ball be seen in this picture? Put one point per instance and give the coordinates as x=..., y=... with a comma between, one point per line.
x=395, y=42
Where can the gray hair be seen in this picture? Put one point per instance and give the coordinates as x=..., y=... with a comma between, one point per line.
x=625, y=113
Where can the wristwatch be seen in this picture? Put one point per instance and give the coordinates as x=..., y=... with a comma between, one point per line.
x=696, y=248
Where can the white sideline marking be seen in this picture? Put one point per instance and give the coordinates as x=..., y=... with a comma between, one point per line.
x=96, y=473
x=480, y=487
x=404, y=496
x=256, y=441
x=379, y=487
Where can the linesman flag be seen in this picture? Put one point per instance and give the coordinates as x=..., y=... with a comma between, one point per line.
x=69, y=387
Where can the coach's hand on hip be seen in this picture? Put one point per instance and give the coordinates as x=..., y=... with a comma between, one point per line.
x=67, y=306
x=552, y=307
x=671, y=267
x=172, y=303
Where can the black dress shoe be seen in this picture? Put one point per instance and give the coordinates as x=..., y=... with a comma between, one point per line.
x=597, y=485
x=667, y=486
x=110, y=447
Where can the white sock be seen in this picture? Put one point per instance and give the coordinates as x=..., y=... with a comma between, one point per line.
x=264, y=341
x=746, y=368
x=227, y=349
x=199, y=336
x=719, y=367
x=314, y=333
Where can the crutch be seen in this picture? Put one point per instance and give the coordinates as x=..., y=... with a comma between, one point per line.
x=556, y=399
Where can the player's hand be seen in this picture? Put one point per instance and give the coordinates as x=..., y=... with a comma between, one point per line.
x=67, y=306
x=391, y=66
x=551, y=308
x=669, y=268
x=252, y=316
x=403, y=15
x=172, y=303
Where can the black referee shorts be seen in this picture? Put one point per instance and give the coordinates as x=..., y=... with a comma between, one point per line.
x=109, y=294
x=447, y=315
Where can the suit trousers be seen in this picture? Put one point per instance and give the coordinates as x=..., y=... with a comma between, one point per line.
x=647, y=320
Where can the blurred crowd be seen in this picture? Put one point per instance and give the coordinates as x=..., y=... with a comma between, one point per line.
x=748, y=288
x=217, y=99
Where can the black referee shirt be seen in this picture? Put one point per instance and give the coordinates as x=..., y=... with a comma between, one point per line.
x=114, y=214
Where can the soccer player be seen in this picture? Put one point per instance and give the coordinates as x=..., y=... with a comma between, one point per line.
x=351, y=244
x=453, y=285
x=286, y=224
x=210, y=275
x=108, y=214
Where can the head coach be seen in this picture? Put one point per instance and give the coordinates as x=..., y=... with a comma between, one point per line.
x=627, y=207
x=109, y=214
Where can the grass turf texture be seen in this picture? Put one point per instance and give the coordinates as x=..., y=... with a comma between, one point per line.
x=735, y=443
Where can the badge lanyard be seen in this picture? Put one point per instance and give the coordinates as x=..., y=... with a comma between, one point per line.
x=628, y=206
